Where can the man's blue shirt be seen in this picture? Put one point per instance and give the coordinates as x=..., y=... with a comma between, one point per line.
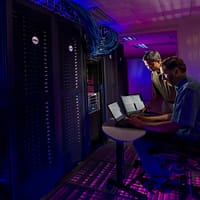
x=187, y=108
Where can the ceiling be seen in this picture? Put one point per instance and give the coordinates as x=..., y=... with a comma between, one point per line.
x=149, y=22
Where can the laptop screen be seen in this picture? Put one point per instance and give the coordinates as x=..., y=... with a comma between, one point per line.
x=132, y=103
x=116, y=111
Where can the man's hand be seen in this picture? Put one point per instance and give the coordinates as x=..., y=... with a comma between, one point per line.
x=155, y=123
x=136, y=121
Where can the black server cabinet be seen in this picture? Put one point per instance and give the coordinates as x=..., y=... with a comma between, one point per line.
x=72, y=94
x=33, y=136
x=95, y=89
x=47, y=106
x=4, y=104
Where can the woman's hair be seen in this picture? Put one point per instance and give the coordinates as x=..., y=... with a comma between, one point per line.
x=172, y=62
x=151, y=56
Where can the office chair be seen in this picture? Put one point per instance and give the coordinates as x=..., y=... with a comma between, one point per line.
x=184, y=162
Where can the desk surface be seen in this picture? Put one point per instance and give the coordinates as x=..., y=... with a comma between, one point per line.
x=121, y=134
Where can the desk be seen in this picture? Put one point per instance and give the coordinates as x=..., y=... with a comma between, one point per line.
x=120, y=135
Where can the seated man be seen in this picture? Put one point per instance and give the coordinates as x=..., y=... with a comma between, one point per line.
x=183, y=124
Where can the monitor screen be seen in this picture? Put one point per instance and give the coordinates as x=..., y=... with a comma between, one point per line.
x=132, y=103
x=115, y=111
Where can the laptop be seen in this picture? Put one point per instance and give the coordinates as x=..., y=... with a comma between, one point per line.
x=134, y=105
x=121, y=120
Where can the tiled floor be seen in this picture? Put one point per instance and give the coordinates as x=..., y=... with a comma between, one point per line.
x=88, y=181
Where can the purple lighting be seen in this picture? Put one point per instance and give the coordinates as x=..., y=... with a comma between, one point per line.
x=164, y=42
x=139, y=79
x=89, y=180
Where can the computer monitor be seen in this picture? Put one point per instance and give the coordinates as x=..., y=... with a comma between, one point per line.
x=132, y=103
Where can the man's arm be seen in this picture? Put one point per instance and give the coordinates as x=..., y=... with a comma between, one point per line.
x=152, y=103
x=156, y=97
x=156, y=118
x=155, y=126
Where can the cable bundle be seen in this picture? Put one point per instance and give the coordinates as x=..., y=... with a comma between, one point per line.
x=101, y=40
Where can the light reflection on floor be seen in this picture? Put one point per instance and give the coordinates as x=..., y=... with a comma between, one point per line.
x=89, y=180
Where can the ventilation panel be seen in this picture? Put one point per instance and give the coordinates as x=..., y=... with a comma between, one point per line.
x=35, y=134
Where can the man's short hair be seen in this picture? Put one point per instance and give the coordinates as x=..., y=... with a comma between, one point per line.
x=172, y=62
x=151, y=56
